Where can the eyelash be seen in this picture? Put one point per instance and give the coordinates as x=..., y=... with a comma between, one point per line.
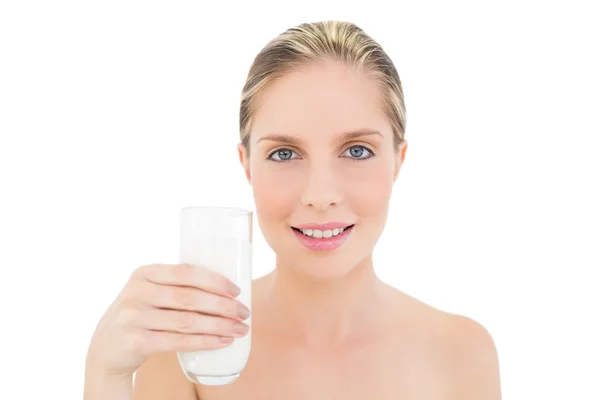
x=371, y=153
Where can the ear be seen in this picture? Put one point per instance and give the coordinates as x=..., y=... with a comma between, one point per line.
x=400, y=155
x=244, y=160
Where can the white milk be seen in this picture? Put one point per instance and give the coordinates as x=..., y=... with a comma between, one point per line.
x=231, y=258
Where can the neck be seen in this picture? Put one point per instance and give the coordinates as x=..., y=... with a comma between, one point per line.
x=324, y=312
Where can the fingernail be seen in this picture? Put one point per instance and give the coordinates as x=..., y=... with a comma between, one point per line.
x=240, y=329
x=233, y=289
x=225, y=339
x=243, y=312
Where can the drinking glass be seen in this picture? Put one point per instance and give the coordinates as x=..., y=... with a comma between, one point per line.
x=220, y=239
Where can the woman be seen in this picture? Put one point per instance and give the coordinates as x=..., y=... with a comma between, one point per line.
x=322, y=126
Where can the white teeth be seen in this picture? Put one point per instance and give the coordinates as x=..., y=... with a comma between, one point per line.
x=317, y=233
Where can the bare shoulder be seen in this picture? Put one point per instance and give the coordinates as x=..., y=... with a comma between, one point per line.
x=160, y=378
x=462, y=347
x=474, y=359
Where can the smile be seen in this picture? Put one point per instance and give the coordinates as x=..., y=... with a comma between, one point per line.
x=318, y=233
x=323, y=239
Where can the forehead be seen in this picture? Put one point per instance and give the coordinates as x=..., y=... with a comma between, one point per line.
x=320, y=100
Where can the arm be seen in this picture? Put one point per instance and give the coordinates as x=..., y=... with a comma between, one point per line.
x=160, y=378
x=100, y=386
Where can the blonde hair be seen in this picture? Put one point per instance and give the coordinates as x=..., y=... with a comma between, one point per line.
x=320, y=41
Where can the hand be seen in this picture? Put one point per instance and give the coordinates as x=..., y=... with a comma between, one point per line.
x=162, y=308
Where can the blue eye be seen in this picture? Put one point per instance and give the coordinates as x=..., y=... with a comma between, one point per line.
x=355, y=152
x=281, y=155
x=359, y=152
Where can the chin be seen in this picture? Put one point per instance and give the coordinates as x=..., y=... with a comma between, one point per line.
x=320, y=270
x=320, y=265
x=325, y=270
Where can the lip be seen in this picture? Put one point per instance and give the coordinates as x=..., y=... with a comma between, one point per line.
x=323, y=244
x=323, y=227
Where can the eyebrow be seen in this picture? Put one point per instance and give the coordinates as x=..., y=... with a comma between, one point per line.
x=355, y=134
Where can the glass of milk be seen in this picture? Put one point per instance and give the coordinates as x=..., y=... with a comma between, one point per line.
x=220, y=239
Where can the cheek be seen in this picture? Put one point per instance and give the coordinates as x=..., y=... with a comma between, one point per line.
x=368, y=190
x=275, y=192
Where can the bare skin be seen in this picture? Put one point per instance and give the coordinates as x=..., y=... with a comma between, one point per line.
x=407, y=350
x=321, y=151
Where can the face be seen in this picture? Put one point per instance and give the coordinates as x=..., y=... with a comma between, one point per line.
x=322, y=164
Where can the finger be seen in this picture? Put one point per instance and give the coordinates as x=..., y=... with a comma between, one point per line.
x=192, y=299
x=189, y=275
x=151, y=342
x=190, y=322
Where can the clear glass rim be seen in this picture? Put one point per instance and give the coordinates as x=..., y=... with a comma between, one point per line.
x=220, y=209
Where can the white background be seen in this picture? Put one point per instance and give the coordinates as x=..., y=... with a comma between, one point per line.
x=115, y=114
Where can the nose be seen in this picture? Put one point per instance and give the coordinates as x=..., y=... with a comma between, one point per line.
x=321, y=189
